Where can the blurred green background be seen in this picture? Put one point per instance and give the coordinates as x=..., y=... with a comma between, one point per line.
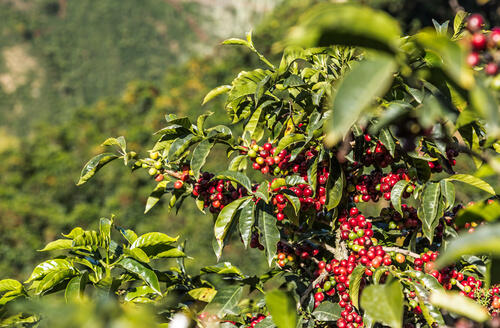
x=73, y=73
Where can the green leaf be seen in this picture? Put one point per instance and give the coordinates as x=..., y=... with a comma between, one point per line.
x=237, y=177
x=144, y=272
x=397, y=193
x=139, y=293
x=53, y=278
x=384, y=303
x=155, y=195
x=171, y=252
x=180, y=145
x=44, y=268
x=473, y=181
x=289, y=140
x=75, y=288
x=120, y=142
x=456, y=303
x=200, y=154
x=485, y=104
x=253, y=122
x=137, y=254
x=223, y=268
x=335, y=190
x=369, y=79
x=74, y=233
x=448, y=192
x=226, y=300
x=8, y=285
x=153, y=243
x=128, y=234
x=58, y=244
x=94, y=165
x=387, y=140
x=293, y=200
x=239, y=163
x=484, y=240
x=153, y=239
x=224, y=220
x=270, y=233
x=355, y=283
x=216, y=92
x=235, y=41
x=451, y=57
x=429, y=209
x=203, y=294
x=246, y=221
x=266, y=323
x=105, y=229
x=262, y=192
x=327, y=311
x=339, y=24
x=281, y=306
x=200, y=121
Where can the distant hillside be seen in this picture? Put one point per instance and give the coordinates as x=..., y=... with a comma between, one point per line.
x=56, y=55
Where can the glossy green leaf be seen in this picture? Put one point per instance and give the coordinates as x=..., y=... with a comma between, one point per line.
x=397, y=193
x=120, y=142
x=473, y=181
x=203, y=294
x=339, y=24
x=169, y=252
x=430, y=313
x=75, y=288
x=237, y=177
x=47, y=267
x=262, y=192
x=155, y=195
x=153, y=244
x=137, y=254
x=53, y=278
x=484, y=240
x=289, y=140
x=451, y=57
x=355, y=283
x=459, y=304
x=448, y=192
x=246, y=221
x=292, y=199
x=235, y=41
x=216, y=92
x=140, y=292
x=384, y=303
x=253, y=122
x=369, y=79
x=387, y=140
x=226, y=300
x=180, y=145
x=429, y=209
x=223, y=268
x=269, y=231
x=94, y=165
x=141, y=270
x=200, y=154
x=58, y=244
x=327, y=311
x=225, y=218
x=8, y=285
x=335, y=190
x=239, y=163
x=200, y=121
x=281, y=306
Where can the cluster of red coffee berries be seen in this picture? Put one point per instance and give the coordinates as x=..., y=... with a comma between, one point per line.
x=215, y=193
x=267, y=161
x=484, y=45
x=375, y=154
x=255, y=320
x=375, y=185
x=409, y=219
x=356, y=229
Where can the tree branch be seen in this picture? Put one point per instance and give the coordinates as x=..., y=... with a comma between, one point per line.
x=318, y=280
x=400, y=250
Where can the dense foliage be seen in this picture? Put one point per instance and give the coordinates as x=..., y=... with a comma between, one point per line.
x=341, y=168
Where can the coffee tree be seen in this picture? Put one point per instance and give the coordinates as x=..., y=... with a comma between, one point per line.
x=342, y=167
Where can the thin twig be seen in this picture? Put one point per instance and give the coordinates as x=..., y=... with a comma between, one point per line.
x=400, y=250
x=316, y=281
